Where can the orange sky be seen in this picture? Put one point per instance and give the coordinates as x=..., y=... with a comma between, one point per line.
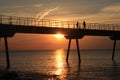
x=50, y=42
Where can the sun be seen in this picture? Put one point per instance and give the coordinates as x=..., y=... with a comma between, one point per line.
x=59, y=36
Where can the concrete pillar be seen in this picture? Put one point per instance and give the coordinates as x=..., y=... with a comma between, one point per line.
x=113, y=53
x=68, y=50
x=7, y=53
x=78, y=50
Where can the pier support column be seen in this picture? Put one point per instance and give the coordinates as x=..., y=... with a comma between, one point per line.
x=68, y=50
x=79, y=57
x=113, y=53
x=7, y=53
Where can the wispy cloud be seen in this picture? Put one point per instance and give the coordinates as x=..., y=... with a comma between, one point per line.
x=112, y=9
x=108, y=15
x=42, y=14
x=38, y=5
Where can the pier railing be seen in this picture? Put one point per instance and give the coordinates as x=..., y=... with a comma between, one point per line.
x=24, y=21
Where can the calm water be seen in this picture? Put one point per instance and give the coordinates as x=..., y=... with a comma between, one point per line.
x=51, y=65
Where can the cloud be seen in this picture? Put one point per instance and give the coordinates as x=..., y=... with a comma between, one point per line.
x=41, y=15
x=38, y=5
x=108, y=15
x=103, y=17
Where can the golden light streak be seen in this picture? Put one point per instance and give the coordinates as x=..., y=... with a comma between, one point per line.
x=59, y=59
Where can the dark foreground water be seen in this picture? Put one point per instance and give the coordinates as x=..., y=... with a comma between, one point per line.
x=51, y=65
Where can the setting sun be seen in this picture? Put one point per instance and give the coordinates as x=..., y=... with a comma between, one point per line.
x=59, y=36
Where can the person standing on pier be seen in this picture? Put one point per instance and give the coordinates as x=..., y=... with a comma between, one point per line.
x=77, y=25
x=84, y=25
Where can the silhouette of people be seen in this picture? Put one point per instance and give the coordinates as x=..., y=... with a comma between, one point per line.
x=84, y=24
x=77, y=24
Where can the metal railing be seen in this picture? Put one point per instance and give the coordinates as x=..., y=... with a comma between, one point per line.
x=96, y=26
x=25, y=21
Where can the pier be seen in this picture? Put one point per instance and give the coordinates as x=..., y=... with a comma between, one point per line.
x=10, y=25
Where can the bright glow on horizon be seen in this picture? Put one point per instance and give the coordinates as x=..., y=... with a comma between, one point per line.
x=59, y=36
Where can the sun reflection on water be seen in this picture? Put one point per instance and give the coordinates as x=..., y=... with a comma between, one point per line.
x=59, y=62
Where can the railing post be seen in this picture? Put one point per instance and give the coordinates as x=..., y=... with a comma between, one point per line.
x=68, y=24
x=62, y=23
x=42, y=22
x=73, y=25
x=0, y=19
x=27, y=22
x=45, y=23
x=49, y=22
x=36, y=23
x=24, y=21
x=10, y=20
x=19, y=22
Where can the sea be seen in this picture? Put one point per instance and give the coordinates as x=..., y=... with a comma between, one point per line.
x=52, y=65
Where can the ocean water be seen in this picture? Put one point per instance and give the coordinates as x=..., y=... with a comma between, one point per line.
x=52, y=65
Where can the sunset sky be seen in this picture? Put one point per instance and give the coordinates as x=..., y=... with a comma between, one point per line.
x=92, y=11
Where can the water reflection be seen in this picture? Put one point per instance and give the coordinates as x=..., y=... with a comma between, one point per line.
x=65, y=69
x=59, y=62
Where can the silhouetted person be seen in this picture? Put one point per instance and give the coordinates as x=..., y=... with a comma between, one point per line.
x=84, y=24
x=77, y=24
